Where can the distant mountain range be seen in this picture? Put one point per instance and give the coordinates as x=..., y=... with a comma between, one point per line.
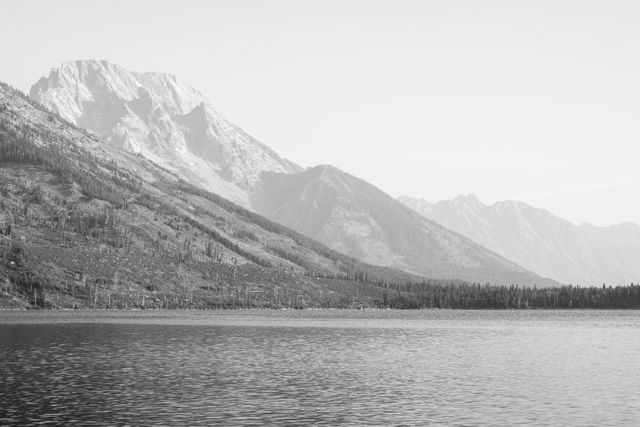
x=541, y=241
x=167, y=121
x=356, y=218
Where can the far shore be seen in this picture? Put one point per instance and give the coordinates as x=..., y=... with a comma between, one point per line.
x=335, y=318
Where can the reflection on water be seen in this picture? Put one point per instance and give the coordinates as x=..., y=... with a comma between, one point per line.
x=457, y=368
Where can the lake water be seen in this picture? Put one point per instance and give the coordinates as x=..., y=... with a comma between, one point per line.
x=320, y=368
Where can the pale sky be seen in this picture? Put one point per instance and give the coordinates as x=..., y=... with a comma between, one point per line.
x=537, y=101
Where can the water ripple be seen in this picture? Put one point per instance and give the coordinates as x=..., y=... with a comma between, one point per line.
x=454, y=370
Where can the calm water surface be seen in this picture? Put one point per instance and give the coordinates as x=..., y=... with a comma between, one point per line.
x=321, y=368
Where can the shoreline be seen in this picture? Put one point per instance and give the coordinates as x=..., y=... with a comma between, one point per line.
x=332, y=318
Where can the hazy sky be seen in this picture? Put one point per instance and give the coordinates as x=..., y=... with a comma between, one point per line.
x=532, y=100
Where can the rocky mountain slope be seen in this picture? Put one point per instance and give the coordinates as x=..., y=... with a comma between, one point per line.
x=163, y=119
x=541, y=241
x=358, y=219
x=86, y=224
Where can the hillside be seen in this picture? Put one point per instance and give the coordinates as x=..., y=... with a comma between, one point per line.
x=356, y=218
x=542, y=242
x=83, y=223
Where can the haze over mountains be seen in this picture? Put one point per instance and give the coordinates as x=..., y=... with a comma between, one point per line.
x=541, y=241
x=172, y=124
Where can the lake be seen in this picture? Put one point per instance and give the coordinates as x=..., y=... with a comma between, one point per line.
x=324, y=367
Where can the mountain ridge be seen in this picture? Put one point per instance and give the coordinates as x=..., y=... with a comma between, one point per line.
x=85, y=224
x=139, y=113
x=356, y=218
x=541, y=241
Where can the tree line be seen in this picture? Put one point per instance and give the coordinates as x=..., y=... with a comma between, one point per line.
x=476, y=296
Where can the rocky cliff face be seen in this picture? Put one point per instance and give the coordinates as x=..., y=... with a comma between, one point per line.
x=163, y=119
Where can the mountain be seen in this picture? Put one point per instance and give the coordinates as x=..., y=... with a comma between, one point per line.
x=172, y=124
x=86, y=224
x=358, y=219
x=541, y=241
x=163, y=119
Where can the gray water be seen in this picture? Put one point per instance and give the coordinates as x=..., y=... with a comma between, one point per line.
x=321, y=368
